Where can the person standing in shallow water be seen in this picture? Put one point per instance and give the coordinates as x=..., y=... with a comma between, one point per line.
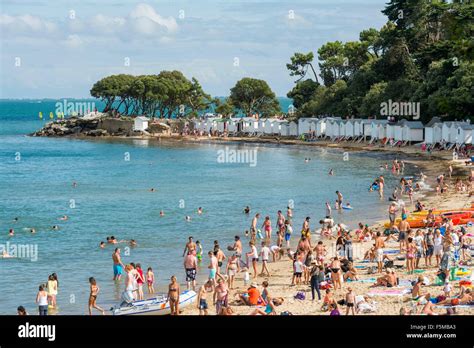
x=94, y=291
x=118, y=265
x=42, y=301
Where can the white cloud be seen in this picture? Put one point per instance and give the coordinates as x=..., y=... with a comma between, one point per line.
x=25, y=24
x=146, y=19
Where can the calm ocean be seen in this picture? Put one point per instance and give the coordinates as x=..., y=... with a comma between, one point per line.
x=112, y=198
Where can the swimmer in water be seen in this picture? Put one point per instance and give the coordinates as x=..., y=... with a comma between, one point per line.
x=6, y=255
x=74, y=184
x=64, y=218
x=247, y=210
x=16, y=219
x=11, y=232
x=55, y=227
x=112, y=240
x=162, y=213
x=199, y=210
x=32, y=230
x=102, y=245
x=133, y=243
x=187, y=218
x=331, y=172
x=152, y=190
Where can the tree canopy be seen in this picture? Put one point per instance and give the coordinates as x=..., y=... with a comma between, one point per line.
x=166, y=94
x=254, y=96
x=423, y=54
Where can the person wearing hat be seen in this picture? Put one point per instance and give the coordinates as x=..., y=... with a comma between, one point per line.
x=252, y=297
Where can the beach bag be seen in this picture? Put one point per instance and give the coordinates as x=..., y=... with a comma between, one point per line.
x=388, y=264
x=300, y=295
x=286, y=313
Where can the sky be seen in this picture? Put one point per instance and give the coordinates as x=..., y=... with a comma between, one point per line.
x=59, y=48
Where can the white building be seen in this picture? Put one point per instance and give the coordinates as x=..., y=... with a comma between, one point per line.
x=378, y=129
x=307, y=125
x=248, y=125
x=349, y=126
x=412, y=131
x=434, y=133
x=293, y=129
x=462, y=133
x=140, y=123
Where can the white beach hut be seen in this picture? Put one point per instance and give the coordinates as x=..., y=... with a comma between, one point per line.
x=268, y=125
x=248, y=125
x=307, y=125
x=232, y=124
x=378, y=129
x=349, y=128
x=281, y=127
x=140, y=123
x=434, y=133
x=398, y=131
x=336, y=130
x=321, y=127
x=461, y=133
x=390, y=130
x=366, y=128
x=412, y=131
x=293, y=129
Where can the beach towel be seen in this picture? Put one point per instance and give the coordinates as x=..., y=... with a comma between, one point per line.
x=404, y=282
x=457, y=306
x=368, y=280
x=388, y=292
x=360, y=267
x=391, y=251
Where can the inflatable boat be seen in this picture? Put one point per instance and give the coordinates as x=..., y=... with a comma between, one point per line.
x=154, y=306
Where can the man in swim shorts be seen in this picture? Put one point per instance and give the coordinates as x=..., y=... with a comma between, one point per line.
x=379, y=245
x=190, y=265
x=212, y=267
x=253, y=228
x=118, y=265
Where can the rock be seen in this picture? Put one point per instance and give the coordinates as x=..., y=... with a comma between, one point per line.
x=97, y=132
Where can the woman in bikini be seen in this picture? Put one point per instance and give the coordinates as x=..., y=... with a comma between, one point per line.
x=267, y=227
x=93, y=296
x=411, y=253
x=232, y=269
x=173, y=296
x=336, y=272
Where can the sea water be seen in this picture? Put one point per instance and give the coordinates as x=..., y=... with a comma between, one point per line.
x=113, y=197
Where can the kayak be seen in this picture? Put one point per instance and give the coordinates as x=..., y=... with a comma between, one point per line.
x=347, y=208
x=154, y=306
x=457, y=217
x=425, y=212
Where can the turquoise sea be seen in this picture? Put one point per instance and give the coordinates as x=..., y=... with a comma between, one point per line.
x=112, y=198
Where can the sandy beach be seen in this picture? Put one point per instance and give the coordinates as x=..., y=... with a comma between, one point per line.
x=281, y=271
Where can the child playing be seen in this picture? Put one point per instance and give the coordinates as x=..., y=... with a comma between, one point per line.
x=150, y=279
x=447, y=289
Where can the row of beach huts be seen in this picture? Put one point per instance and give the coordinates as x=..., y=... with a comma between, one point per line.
x=338, y=129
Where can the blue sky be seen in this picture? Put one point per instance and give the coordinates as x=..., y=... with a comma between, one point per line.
x=63, y=47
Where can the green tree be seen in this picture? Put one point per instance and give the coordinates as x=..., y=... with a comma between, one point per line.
x=299, y=65
x=254, y=96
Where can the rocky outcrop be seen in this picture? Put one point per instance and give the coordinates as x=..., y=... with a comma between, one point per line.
x=73, y=126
